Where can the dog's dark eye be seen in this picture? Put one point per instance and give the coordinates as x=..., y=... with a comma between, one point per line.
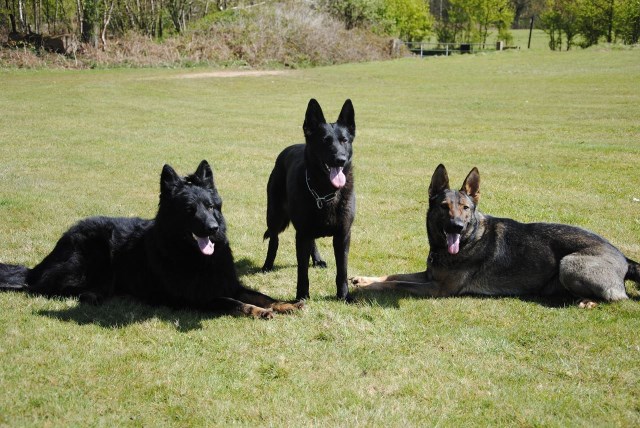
x=343, y=140
x=465, y=207
x=210, y=208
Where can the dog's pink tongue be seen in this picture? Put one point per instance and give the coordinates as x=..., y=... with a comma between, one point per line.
x=453, y=243
x=205, y=244
x=337, y=177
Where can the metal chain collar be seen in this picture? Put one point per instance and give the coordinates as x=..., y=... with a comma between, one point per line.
x=320, y=200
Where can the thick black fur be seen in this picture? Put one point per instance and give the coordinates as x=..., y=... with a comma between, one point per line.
x=290, y=197
x=157, y=261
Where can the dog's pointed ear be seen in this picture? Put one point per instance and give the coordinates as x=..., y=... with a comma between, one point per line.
x=313, y=117
x=168, y=179
x=347, y=117
x=471, y=185
x=204, y=174
x=439, y=181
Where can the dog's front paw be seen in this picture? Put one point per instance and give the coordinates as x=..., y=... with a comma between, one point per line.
x=587, y=304
x=267, y=314
x=262, y=313
x=287, y=308
x=362, y=281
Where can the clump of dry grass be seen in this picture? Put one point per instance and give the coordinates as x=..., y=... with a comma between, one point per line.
x=289, y=35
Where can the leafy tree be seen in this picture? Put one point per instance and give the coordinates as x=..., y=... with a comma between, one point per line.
x=595, y=20
x=560, y=18
x=592, y=20
x=409, y=20
x=491, y=13
x=471, y=20
x=627, y=21
x=452, y=22
x=523, y=10
x=354, y=13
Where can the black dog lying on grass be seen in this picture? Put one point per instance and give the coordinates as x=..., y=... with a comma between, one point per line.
x=311, y=186
x=180, y=259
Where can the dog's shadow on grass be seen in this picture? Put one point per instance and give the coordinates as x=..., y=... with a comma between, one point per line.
x=118, y=312
x=247, y=267
x=391, y=299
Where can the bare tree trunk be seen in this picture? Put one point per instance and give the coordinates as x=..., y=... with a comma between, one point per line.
x=159, y=33
x=21, y=16
x=610, y=23
x=80, y=16
x=106, y=17
x=36, y=16
x=55, y=16
x=152, y=24
x=12, y=17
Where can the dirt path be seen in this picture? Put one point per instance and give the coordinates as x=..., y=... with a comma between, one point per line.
x=231, y=73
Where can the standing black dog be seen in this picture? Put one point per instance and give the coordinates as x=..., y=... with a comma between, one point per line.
x=181, y=258
x=311, y=186
x=474, y=253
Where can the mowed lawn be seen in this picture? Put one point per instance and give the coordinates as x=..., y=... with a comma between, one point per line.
x=556, y=137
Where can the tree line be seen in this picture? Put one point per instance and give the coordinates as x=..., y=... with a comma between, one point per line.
x=567, y=22
x=586, y=22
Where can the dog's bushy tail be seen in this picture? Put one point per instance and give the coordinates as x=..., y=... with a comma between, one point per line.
x=13, y=277
x=634, y=271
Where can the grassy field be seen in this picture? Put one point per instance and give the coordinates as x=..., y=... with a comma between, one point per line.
x=539, y=39
x=556, y=137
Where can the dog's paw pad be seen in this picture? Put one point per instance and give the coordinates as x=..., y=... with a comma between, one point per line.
x=267, y=314
x=360, y=281
x=587, y=304
x=287, y=308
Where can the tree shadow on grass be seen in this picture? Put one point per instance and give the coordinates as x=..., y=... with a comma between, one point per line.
x=121, y=311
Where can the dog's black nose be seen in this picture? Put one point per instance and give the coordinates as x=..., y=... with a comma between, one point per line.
x=455, y=226
x=212, y=228
x=341, y=160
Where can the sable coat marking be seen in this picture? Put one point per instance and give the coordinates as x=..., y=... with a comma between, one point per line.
x=474, y=253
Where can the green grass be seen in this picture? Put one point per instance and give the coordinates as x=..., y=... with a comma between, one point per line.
x=539, y=39
x=555, y=136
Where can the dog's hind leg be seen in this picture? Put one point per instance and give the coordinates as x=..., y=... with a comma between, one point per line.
x=277, y=216
x=271, y=251
x=316, y=258
x=599, y=277
x=304, y=247
x=277, y=222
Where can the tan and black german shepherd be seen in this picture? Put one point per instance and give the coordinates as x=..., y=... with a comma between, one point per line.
x=474, y=253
